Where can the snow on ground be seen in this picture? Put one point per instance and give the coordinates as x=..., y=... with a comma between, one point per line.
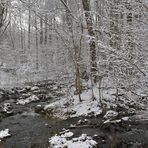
x=34, y=88
x=27, y=100
x=4, y=134
x=76, y=108
x=125, y=118
x=7, y=108
x=72, y=107
x=110, y=114
x=30, y=113
x=61, y=141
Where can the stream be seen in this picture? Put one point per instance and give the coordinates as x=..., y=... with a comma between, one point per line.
x=29, y=129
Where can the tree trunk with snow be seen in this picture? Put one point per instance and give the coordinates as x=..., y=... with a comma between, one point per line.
x=69, y=23
x=46, y=30
x=29, y=26
x=2, y=11
x=37, y=47
x=92, y=44
x=41, y=31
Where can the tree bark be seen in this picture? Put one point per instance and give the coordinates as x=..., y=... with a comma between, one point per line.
x=21, y=32
x=92, y=43
x=69, y=23
x=29, y=26
x=37, y=48
x=2, y=10
x=114, y=24
x=41, y=31
x=46, y=29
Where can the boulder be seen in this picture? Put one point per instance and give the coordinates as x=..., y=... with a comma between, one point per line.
x=35, y=88
x=111, y=114
x=39, y=109
x=6, y=110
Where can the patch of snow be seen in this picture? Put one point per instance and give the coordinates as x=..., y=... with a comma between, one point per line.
x=110, y=114
x=29, y=113
x=4, y=134
x=84, y=108
x=28, y=87
x=125, y=118
x=7, y=108
x=116, y=121
x=113, y=121
x=108, y=94
x=72, y=125
x=50, y=106
x=34, y=88
x=107, y=121
x=82, y=141
x=22, y=90
x=55, y=87
x=27, y=100
x=67, y=135
x=39, y=105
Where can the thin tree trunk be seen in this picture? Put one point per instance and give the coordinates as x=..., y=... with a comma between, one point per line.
x=37, y=48
x=29, y=27
x=130, y=45
x=46, y=20
x=114, y=24
x=77, y=73
x=92, y=43
x=41, y=31
x=24, y=40
x=22, y=45
x=2, y=11
x=69, y=23
x=10, y=32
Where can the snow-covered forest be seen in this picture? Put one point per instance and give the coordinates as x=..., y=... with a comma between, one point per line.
x=73, y=73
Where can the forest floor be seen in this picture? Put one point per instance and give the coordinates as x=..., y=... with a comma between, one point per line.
x=28, y=114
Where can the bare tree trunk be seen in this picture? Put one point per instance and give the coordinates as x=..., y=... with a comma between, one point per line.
x=2, y=11
x=37, y=48
x=130, y=43
x=10, y=32
x=1, y=16
x=115, y=31
x=69, y=23
x=24, y=40
x=114, y=24
x=92, y=43
x=41, y=31
x=29, y=26
x=46, y=20
x=21, y=30
x=77, y=73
